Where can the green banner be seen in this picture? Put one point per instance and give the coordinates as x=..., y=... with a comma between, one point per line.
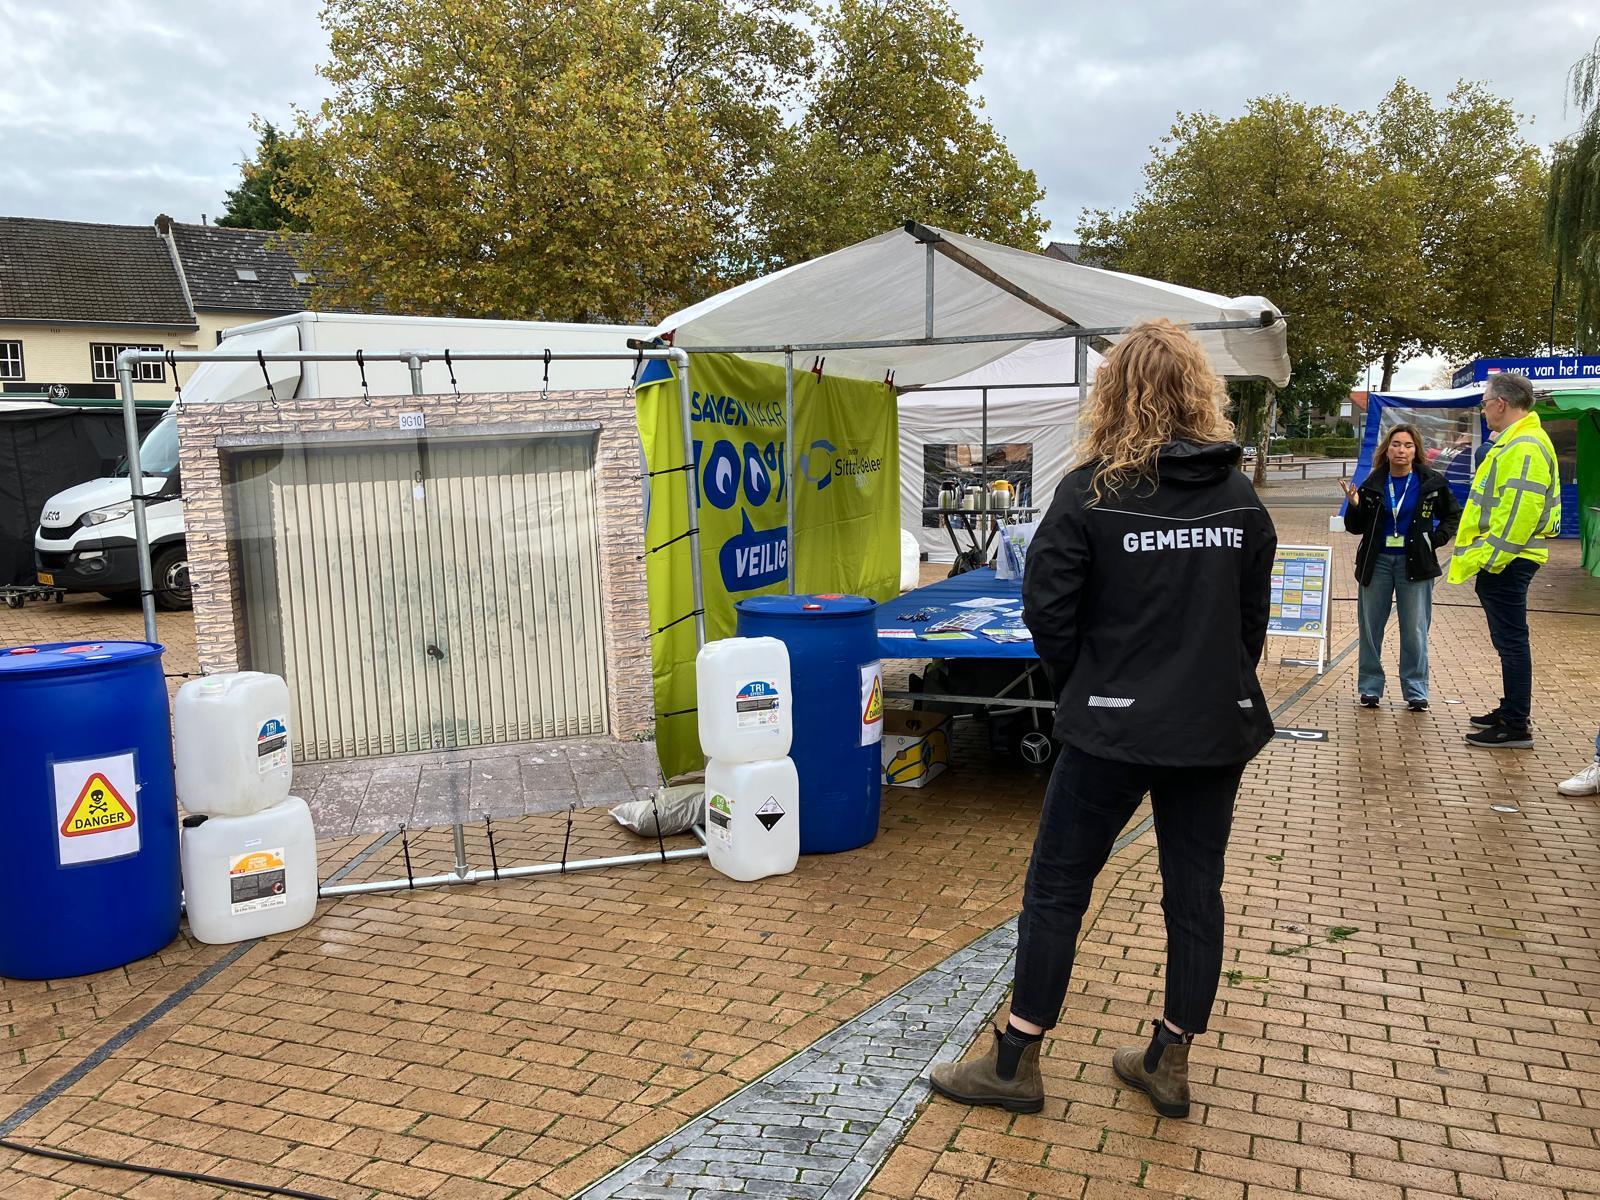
x=847, y=508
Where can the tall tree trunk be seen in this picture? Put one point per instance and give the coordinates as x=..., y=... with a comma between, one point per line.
x=1388, y=369
x=1264, y=440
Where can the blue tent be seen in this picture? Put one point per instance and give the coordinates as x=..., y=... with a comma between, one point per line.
x=1453, y=432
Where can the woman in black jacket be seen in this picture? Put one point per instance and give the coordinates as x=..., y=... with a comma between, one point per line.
x=1147, y=591
x=1404, y=511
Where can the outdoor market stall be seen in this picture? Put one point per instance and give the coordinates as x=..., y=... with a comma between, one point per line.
x=865, y=325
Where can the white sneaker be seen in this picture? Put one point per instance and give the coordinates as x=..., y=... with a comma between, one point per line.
x=1585, y=783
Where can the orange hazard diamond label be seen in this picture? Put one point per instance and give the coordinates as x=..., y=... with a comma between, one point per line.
x=98, y=808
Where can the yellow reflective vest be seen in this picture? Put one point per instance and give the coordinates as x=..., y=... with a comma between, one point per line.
x=1515, y=504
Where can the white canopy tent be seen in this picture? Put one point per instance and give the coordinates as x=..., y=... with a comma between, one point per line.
x=924, y=306
x=926, y=311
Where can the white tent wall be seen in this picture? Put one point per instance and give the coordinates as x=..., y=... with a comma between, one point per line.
x=1042, y=418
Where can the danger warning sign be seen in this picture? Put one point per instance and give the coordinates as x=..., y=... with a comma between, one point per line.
x=770, y=813
x=98, y=809
x=872, y=704
x=97, y=813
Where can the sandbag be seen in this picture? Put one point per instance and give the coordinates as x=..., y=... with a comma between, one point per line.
x=680, y=804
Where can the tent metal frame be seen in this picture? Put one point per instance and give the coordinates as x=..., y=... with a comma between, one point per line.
x=936, y=246
x=414, y=359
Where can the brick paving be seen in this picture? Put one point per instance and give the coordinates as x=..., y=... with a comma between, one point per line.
x=1408, y=1004
x=1408, y=1010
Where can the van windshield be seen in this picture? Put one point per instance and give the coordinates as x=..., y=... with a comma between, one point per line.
x=158, y=453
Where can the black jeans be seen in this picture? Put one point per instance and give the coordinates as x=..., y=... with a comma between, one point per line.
x=1505, y=606
x=1088, y=802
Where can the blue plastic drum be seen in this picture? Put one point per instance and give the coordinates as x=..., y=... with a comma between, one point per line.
x=837, y=682
x=89, y=875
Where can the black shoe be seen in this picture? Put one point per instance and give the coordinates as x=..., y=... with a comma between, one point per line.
x=1417, y=705
x=1370, y=701
x=1487, y=721
x=1502, y=737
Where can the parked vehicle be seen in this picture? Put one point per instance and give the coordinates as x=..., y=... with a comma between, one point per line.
x=85, y=538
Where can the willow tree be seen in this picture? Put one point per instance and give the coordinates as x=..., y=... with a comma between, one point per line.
x=1572, y=211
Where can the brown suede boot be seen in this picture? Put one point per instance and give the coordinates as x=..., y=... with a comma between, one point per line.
x=977, y=1080
x=1167, y=1085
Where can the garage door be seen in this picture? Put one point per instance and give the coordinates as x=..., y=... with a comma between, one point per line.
x=426, y=596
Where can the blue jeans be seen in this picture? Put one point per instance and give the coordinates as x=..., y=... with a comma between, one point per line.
x=1389, y=582
x=1505, y=606
x=1088, y=802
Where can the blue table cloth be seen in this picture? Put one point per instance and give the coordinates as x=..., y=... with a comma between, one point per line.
x=941, y=601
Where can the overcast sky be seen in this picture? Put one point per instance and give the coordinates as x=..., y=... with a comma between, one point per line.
x=119, y=109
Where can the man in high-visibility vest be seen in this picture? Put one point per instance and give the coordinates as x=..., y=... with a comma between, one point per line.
x=1512, y=513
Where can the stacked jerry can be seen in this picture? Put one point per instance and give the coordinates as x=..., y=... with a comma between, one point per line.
x=746, y=725
x=248, y=848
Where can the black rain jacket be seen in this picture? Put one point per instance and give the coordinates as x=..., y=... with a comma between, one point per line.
x=1433, y=523
x=1149, y=612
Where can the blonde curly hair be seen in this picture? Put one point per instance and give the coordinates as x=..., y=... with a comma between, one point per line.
x=1154, y=387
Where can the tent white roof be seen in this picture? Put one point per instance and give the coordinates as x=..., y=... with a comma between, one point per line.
x=875, y=291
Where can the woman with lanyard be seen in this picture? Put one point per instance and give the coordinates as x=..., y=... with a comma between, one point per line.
x=1404, y=511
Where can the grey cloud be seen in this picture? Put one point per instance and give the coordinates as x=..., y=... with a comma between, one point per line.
x=115, y=112
x=1081, y=92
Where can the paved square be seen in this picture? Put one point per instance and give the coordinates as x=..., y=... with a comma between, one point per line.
x=1408, y=1009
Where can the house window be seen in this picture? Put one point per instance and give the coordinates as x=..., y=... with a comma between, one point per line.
x=103, y=363
x=245, y=274
x=302, y=277
x=11, y=360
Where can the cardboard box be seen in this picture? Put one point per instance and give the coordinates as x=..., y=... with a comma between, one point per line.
x=916, y=747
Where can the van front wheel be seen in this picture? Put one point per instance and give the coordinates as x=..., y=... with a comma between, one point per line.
x=169, y=572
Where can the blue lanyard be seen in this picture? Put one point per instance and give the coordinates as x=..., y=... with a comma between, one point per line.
x=1396, y=505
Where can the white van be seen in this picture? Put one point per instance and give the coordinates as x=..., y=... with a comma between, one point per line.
x=85, y=540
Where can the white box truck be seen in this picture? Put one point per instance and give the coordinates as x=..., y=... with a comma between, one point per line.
x=85, y=540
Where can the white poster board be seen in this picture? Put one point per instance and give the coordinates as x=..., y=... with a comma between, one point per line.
x=1301, y=579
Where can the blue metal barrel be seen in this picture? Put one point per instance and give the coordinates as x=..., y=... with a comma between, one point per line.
x=89, y=876
x=833, y=659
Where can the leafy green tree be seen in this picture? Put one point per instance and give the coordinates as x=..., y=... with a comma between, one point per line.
x=1572, y=207
x=1472, y=278
x=259, y=200
x=893, y=130
x=1314, y=391
x=1288, y=201
x=1408, y=231
x=571, y=161
x=616, y=159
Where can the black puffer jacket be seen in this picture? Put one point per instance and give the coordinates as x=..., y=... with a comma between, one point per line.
x=1149, y=612
x=1433, y=523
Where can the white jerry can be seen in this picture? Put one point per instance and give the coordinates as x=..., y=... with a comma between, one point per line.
x=746, y=707
x=250, y=876
x=753, y=817
x=231, y=742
